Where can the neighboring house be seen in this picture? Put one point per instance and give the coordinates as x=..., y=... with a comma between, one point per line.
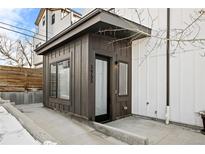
x=144, y=67
x=49, y=23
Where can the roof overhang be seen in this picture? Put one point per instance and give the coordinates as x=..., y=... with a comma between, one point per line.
x=96, y=21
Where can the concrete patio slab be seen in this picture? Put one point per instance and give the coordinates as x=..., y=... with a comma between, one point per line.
x=159, y=133
x=63, y=128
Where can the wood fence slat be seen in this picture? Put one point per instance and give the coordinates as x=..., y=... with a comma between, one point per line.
x=20, y=79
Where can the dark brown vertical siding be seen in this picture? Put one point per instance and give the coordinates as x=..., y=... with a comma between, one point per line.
x=91, y=76
x=46, y=63
x=102, y=45
x=72, y=60
x=81, y=76
x=81, y=53
x=91, y=81
x=44, y=81
x=77, y=80
x=123, y=51
x=77, y=52
x=84, y=77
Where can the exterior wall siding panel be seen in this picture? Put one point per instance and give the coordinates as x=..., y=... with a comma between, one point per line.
x=115, y=52
x=77, y=52
x=77, y=77
x=82, y=54
x=186, y=74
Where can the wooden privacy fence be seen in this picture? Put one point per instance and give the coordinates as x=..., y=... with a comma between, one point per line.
x=17, y=79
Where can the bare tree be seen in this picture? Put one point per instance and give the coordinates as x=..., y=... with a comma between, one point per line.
x=17, y=52
x=179, y=38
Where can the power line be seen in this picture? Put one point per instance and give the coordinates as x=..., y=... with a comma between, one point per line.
x=21, y=28
x=25, y=29
x=21, y=33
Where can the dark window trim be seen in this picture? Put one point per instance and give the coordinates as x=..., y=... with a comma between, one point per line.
x=53, y=19
x=50, y=80
x=44, y=21
x=56, y=64
x=118, y=63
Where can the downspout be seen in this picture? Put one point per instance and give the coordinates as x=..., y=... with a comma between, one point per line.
x=46, y=24
x=167, y=116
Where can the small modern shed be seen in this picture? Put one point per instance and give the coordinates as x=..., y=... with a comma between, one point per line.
x=87, y=67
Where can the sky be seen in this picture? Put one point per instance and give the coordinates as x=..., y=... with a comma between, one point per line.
x=23, y=18
x=20, y=17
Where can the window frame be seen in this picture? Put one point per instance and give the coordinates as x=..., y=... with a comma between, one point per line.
x=53, y=19
x=50, y=80
x=43, y=21
x=118, y=93
x=56, y=64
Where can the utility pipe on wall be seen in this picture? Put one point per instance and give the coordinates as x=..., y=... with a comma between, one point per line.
x=167, y=116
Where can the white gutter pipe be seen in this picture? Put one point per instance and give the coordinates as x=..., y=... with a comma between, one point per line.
x=167, y=115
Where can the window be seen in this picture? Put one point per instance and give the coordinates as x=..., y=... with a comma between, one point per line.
x=43, y=22
x=123, y=78
x=53, y=80
x=63, y=13
x=53, y=19
x=64, y=80
x=60, y=80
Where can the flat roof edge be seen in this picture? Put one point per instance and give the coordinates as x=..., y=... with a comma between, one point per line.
x=105, y=16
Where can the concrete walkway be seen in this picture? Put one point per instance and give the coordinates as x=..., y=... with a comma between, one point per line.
x=12, y=132
x=158, y=132
x=64, y=129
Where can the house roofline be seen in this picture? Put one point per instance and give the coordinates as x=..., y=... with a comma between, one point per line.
x=47, y=45
x=41, y=12
x=40, y=15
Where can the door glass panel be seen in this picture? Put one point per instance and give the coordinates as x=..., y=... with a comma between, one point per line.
x=123, y=78
x=101, y=87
